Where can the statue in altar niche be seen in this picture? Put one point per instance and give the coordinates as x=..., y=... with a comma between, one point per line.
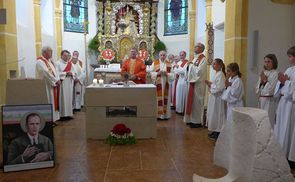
x=127, y=21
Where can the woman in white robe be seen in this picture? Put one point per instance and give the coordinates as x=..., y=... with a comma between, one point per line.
x=216, y=106
x=234, y=90
x=266, y=85
x=285, y=120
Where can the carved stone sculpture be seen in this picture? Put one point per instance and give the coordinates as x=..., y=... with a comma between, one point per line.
x=248, y=149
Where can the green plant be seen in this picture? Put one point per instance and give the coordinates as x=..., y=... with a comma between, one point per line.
x=160, y=46
x=94, y=45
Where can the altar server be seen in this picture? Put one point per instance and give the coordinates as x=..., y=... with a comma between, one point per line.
x=266, y=85
x=234, y=89
x=285, y=120
x=216, y=106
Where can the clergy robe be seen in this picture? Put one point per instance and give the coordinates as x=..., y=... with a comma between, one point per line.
x=181, y=86
x=66, y=88
x=266, y=91
x=216, y=106
x=135, y=67
x=233, y=96
x=163, y=83
x=173, y=85
x=78, y=96
x=45, y=69
x=284, y=128
x=196, y=77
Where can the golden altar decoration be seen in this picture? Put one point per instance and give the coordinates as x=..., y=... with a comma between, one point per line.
x=126, y=24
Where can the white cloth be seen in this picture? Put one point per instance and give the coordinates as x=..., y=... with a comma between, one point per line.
x=66, y=89
x=181, y=87
x=284, y=128
x=265, y=92
x=197, y=75
x=78, y=97
x=216, y=106
x=42, y=72
x=169, y=78
x=233, y=96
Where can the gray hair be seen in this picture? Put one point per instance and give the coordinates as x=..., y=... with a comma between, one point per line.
x=45, y=48
x=162, y=52
x=202, y=46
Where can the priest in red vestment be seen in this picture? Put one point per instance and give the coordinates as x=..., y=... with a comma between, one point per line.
x=134, y=67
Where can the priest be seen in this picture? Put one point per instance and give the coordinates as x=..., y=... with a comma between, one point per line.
x=196, y=76
x=79, y=88
x=134, y=67
x=45, y=69
x=162, y=76
x=67, y=76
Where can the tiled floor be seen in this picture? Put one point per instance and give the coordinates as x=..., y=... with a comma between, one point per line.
x=173, y=156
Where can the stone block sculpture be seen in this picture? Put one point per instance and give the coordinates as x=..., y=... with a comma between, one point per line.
x=248, y=149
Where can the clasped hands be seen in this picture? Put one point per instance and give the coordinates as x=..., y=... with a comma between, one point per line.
x=263, y=77
x=33, y=150
x=283, y=77
x=208, y=83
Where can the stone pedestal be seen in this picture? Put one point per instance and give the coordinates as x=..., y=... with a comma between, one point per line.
x=98, y=99
x=248, y=149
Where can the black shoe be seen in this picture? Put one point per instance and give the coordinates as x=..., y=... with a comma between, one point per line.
x=188, y=124
x=193, y=125
x=54, y=124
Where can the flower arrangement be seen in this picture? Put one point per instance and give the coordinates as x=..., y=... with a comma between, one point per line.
x=120, y=135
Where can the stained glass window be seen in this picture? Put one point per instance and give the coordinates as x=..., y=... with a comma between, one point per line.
x=75, y=12
x=175, y=17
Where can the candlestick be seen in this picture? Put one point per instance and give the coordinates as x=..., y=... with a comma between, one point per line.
x=94, y=81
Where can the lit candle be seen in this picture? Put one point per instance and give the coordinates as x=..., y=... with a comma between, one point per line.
x=100, y=82
x=94, y=81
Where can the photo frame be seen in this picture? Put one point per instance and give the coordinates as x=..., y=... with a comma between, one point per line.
x=28, y=141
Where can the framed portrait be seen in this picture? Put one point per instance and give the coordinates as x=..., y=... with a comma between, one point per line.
x=28, y=141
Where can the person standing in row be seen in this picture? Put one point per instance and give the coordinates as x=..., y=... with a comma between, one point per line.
x=197, y=73
x=266, y=85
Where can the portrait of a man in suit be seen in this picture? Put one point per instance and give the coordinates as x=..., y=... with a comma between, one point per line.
x=32, y=146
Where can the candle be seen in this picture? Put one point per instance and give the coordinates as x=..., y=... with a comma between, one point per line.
x=94, y=81
x=100, y=82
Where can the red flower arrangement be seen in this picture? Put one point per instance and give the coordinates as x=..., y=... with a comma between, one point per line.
x=120, y=135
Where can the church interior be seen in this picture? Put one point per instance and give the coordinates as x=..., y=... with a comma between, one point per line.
x=103, y=32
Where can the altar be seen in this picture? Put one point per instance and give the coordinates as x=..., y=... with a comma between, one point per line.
x=123, y=25
x=134, y=105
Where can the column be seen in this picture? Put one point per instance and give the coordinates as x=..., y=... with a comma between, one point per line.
x=209, y=41
x=37, y=20
x=8, y=47
x=58, y=33
x=192, y=19
x=236, y=32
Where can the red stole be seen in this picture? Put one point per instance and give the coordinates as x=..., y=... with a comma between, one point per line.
x=56, y=88
x=162, y=101
x=68, y=67
x=175, y=83
x=190, y=95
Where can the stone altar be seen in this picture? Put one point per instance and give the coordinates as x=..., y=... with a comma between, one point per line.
x=248, y=149
x=99, y=100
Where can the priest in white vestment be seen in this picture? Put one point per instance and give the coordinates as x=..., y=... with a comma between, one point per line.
x=45, y=69
x=285, y=120
x=196, y=76
x=67, y=75
x=266, y=85
x=78, y=97
x=180, y=71
x=162, y=76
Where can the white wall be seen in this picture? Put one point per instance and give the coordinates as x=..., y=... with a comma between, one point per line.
x=75, y=41
x=200, y=35
x=174, y=43
x=276, y=26
x=48, y=26
x=218, y=17
x=25, y=38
